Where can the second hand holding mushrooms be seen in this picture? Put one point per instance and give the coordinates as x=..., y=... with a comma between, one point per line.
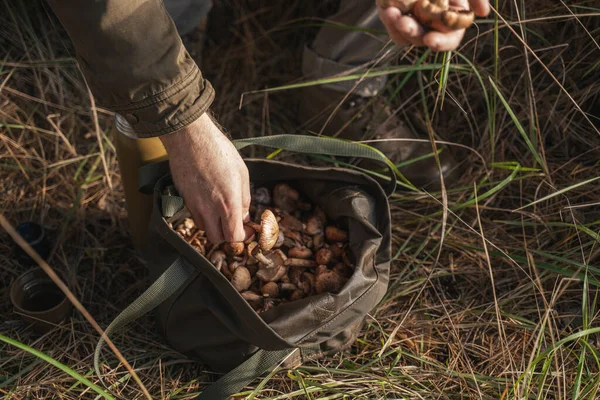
x=429, y=12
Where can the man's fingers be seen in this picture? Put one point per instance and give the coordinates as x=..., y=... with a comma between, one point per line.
x=199, y=222
x=232, y=223
x=438, y=41
x=411, y=30
x=481, y=8
x=389, y=16
x=213, y=229
x=246, y=196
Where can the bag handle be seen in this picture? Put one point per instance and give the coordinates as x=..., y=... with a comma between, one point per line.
x=150, y=173
x=164, y=287
x=242, y=375
x=325, y=146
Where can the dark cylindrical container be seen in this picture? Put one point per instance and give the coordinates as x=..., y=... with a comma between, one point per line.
x=39, y=300
x=35, y=235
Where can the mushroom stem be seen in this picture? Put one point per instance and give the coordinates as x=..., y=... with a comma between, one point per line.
x=263, y=259
x=300, y=263
x=253, y=225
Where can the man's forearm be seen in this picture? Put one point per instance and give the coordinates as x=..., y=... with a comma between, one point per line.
x=135, y=63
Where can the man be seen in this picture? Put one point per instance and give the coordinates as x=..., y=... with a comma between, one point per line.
x=133, y=60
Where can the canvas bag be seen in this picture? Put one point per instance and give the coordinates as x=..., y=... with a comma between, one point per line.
x=200, y=313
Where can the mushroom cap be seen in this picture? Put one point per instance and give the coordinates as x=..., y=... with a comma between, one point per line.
x=329, y=281
x=300, y=252
x=218, y=256
x=314, y=225
x=335, y=234
x=235, y=248
x=277, y=258
x=324, y=256
x=269, y=231
x=270, y=289
x=459, y=19
x=285, y=197
x=272, y=274
x=241, y=279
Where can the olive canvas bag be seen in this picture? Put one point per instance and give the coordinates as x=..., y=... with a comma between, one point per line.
x=201, y=314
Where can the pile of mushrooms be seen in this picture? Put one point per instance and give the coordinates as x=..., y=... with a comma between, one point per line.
x=433, y=13
x=295, y=252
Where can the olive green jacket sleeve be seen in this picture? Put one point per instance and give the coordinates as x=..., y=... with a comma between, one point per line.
x=135, y=63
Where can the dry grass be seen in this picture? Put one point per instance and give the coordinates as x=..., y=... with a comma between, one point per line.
x=508, y=310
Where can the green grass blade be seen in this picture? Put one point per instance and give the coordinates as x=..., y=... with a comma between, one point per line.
x=445, y=72
x=352, y=77
x=562, y=191
x=58, y=365
x=517, y=124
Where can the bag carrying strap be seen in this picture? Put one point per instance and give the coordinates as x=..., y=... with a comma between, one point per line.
x=148, y=174
x=242, y=375
x=164, y=287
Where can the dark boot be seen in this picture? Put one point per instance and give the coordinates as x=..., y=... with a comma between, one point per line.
x=376, y=121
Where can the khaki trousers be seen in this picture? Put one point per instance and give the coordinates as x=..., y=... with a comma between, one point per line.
x=334, y=51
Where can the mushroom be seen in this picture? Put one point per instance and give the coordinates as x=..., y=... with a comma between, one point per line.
x=254, y=299
x=240, y=260
x=324, y=256
x=272, y=274
x=268, y=230
x=432, y=12
x=328, y=281
x=241, y=279
x=342, y=270
x=295, y=276
x=307, y=283
x=250, y=296
x=428, y=11
x=314, y=225
x=292, y=223
x=274, y=269
x=267, y=305
x=234, y=248
x=295, y=236
x=218, y=258
x=297, y=295
x=286, y=287
x=335, y=234
x=270, y=289
x=189, y=224
x=300, y=252
x=285, y=197
x=308, y=242
x=300, y=263
x=262, y=196
x=280, y=240
x=336, y=250
x=318, y=241
x=198, y=245
x=459, y=19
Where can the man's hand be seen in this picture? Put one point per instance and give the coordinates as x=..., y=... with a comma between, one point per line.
x=405, y=30
x=212, y=178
